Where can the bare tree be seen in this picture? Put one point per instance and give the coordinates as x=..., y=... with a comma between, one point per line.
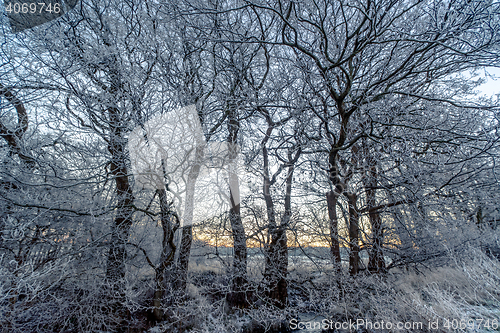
x=14, y=137
x=368, y=102
x=276, y=251
x=365, y=52
x=101, y=95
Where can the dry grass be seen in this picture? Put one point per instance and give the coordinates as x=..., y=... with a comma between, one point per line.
x=466, y=289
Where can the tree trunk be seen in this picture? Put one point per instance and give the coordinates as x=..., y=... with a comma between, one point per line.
x=370, y=179
x=117, y=255
x=376, y=261
x=339, y=188
x=14, y=142
x=162, y=279
x=331, y=199
x=353, y=234
x=187, y=228
x=238, y=296
x=183, y=261
x=271, y=275
x=123, y=220
x=14, y=137
x=276, y=267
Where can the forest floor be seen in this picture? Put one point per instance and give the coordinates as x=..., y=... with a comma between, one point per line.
x=461, y=296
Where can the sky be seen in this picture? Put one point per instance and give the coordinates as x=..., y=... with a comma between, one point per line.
x=492, y=86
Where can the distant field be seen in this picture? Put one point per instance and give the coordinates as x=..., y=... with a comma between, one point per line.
x=309, y=258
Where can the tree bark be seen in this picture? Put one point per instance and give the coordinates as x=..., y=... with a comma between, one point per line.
x=272, y=256
x=183, y=262
x=353, y=234
x=276, y=269
x=123, y=220
x=238, y=296
x=276, y=266
x=187, y=228
x=376, y=261
x=162, y=278
x=14, y=137
x=331, y=199
x=117, y=255
x=339, y=188
x=14, y=142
